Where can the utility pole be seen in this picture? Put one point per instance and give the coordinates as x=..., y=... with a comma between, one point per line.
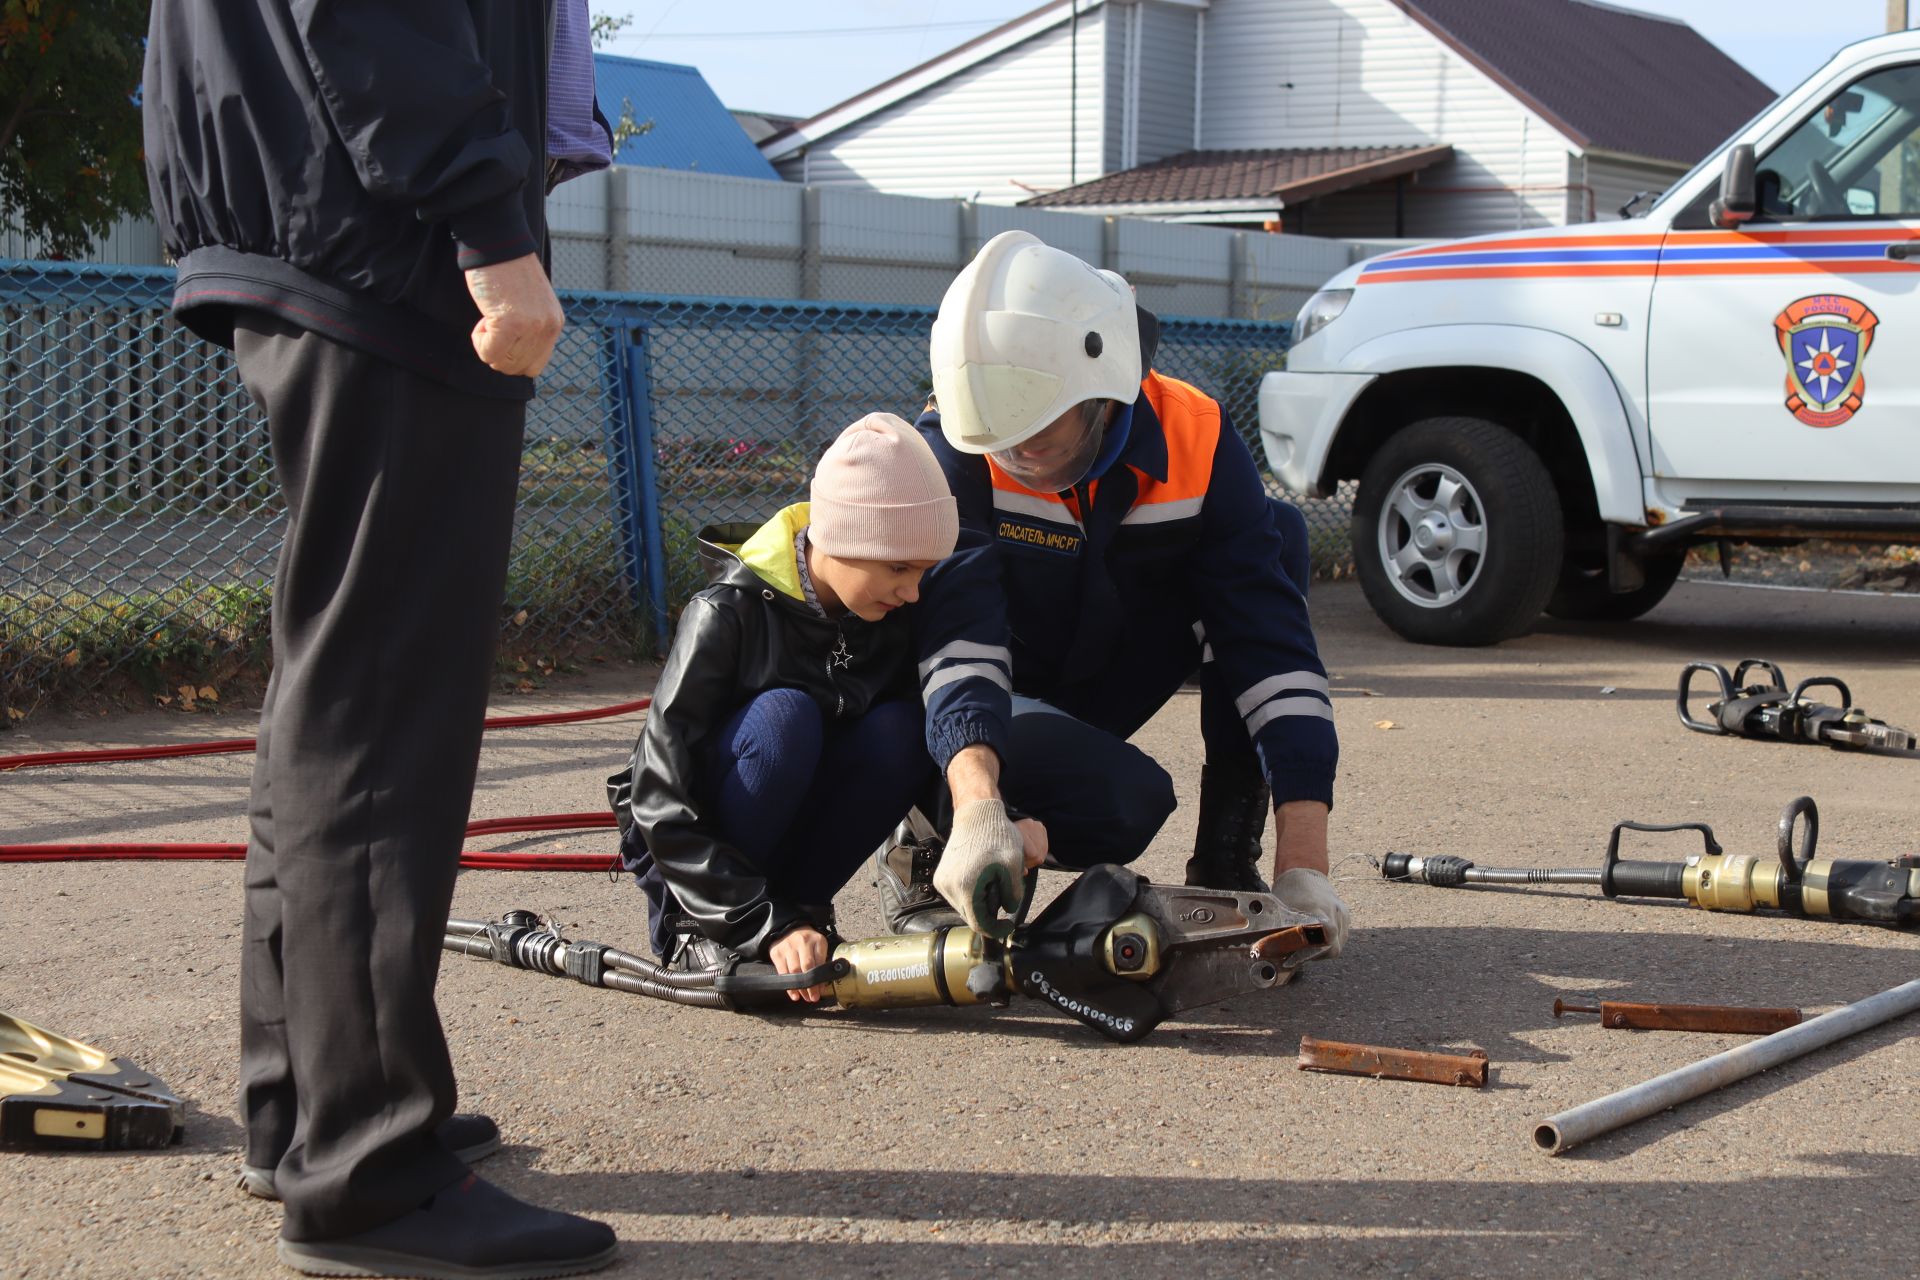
x=1896, y=15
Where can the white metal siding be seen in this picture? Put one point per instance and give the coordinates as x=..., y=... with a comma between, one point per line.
x=133, y=241
x=997, y=132
x=1164, y=124
x=1350, y=73
x=1614, y=181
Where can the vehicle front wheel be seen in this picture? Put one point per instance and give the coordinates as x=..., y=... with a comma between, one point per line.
x=1457, y=532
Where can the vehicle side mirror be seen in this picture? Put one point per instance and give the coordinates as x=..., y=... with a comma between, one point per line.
x=1737, y=199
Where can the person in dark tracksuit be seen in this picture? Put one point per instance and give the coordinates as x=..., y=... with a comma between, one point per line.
x=355, y=194
x=1116, y=539
x=785, y=735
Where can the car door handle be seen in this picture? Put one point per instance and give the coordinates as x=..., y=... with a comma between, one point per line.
x=1902, y=250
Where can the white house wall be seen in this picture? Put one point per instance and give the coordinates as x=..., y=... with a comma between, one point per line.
x=132, y=241
x=1164, y=115
x=997, y=132
x=1614, y=180
x=1353, y=73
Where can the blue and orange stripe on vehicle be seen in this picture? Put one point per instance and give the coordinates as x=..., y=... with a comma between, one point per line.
x=1842, y=251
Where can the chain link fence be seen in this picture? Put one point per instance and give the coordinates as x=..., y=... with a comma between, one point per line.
x=139, y=518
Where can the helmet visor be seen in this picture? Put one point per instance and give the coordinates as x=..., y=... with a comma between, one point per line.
x=1058, y=457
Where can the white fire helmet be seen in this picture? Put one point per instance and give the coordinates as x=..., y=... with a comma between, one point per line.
x=1025, y=333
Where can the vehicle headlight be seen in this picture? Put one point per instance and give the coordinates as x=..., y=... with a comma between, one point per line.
x=1322, y=309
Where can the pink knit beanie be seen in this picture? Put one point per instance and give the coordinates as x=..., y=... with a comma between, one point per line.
x=879, y=494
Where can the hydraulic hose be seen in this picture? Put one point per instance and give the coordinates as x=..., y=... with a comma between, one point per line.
x=203, y=851
x=235, y=746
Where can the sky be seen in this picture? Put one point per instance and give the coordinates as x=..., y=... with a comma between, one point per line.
x=797, y=59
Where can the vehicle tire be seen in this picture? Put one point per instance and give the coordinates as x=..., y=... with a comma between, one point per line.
x=1582, y=595
x=1457, y=532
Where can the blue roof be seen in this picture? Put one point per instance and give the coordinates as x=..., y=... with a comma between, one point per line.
x=690, y=129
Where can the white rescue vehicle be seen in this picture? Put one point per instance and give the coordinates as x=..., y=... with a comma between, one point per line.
x=1548, y=419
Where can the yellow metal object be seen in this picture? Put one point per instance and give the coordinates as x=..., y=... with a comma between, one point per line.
x=909, y=970
x=1132, y=948
x=60, y=1092
x=1813, y=887
x=1732, y=881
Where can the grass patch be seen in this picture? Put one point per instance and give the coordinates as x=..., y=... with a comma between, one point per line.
x=60, y=645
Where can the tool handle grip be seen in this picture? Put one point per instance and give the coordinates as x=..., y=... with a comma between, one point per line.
x=1647, y=879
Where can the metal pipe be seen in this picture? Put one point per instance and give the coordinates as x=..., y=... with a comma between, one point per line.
x=1532, y=875
x=1568, y=1129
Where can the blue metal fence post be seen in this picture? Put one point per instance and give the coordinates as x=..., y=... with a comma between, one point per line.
x=651, y=527
x=622, y=471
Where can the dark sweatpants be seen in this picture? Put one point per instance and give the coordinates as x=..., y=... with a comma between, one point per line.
x=386, y=606
x=1069, y=763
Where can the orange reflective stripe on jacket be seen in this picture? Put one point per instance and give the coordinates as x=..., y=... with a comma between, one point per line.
x=1190, y=421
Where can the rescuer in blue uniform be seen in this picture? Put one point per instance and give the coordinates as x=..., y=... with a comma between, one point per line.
x=1115, y=539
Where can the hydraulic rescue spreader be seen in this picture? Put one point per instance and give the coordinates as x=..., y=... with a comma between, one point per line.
x=1793, y=881
x=1763, y=710
x=1113, y=951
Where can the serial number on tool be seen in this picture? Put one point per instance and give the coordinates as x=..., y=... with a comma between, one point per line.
x=901, y=973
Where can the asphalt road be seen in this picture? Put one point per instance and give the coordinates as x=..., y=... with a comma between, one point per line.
x=946, y=1142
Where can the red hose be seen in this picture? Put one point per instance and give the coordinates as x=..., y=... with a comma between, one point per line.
x=234, y=746
x=477, y=860
x=473, y=860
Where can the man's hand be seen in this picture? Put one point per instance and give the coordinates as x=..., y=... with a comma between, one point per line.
x=980, y=868
x=1033, y=835
x=797, y=950
x=1300, y=868
x=520, y=318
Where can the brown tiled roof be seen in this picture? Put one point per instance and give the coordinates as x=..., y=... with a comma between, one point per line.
x=1606, y=76
x=1286, y=174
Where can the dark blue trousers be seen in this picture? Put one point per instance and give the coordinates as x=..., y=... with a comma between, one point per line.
x=806, y=799
x=1070, y=764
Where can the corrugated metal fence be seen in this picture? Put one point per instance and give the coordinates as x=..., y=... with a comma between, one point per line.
x=660, y=232
x=139, y=519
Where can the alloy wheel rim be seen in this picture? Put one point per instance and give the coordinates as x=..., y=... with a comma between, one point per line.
x=1432, y=535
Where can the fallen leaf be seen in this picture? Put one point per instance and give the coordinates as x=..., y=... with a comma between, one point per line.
x=186, y=692
x=209, y=693
x=71, y=658
x=519, y=664
x=1385, y=724
x=15, y=713
x=520, y=618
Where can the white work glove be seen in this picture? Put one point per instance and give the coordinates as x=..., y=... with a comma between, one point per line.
x=980, y=869
x=1311, y=894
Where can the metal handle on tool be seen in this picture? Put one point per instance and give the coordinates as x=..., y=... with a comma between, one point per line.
x=1727, y=691
x=1648, y=879
x=1779, y=677
x=1568, y=1129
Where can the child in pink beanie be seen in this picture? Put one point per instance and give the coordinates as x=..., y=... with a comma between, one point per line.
x=785, y=737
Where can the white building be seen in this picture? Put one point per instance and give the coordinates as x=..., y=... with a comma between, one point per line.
x=1353, y=118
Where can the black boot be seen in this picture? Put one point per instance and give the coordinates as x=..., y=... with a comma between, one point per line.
x=1227, y=849
x=692, y=951
x=903, y=872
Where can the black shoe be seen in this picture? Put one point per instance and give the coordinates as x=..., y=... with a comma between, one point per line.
x=471, y=1138
x=470, y=1231
x=903, y=872
x=1233, y=817
x=692, y=951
